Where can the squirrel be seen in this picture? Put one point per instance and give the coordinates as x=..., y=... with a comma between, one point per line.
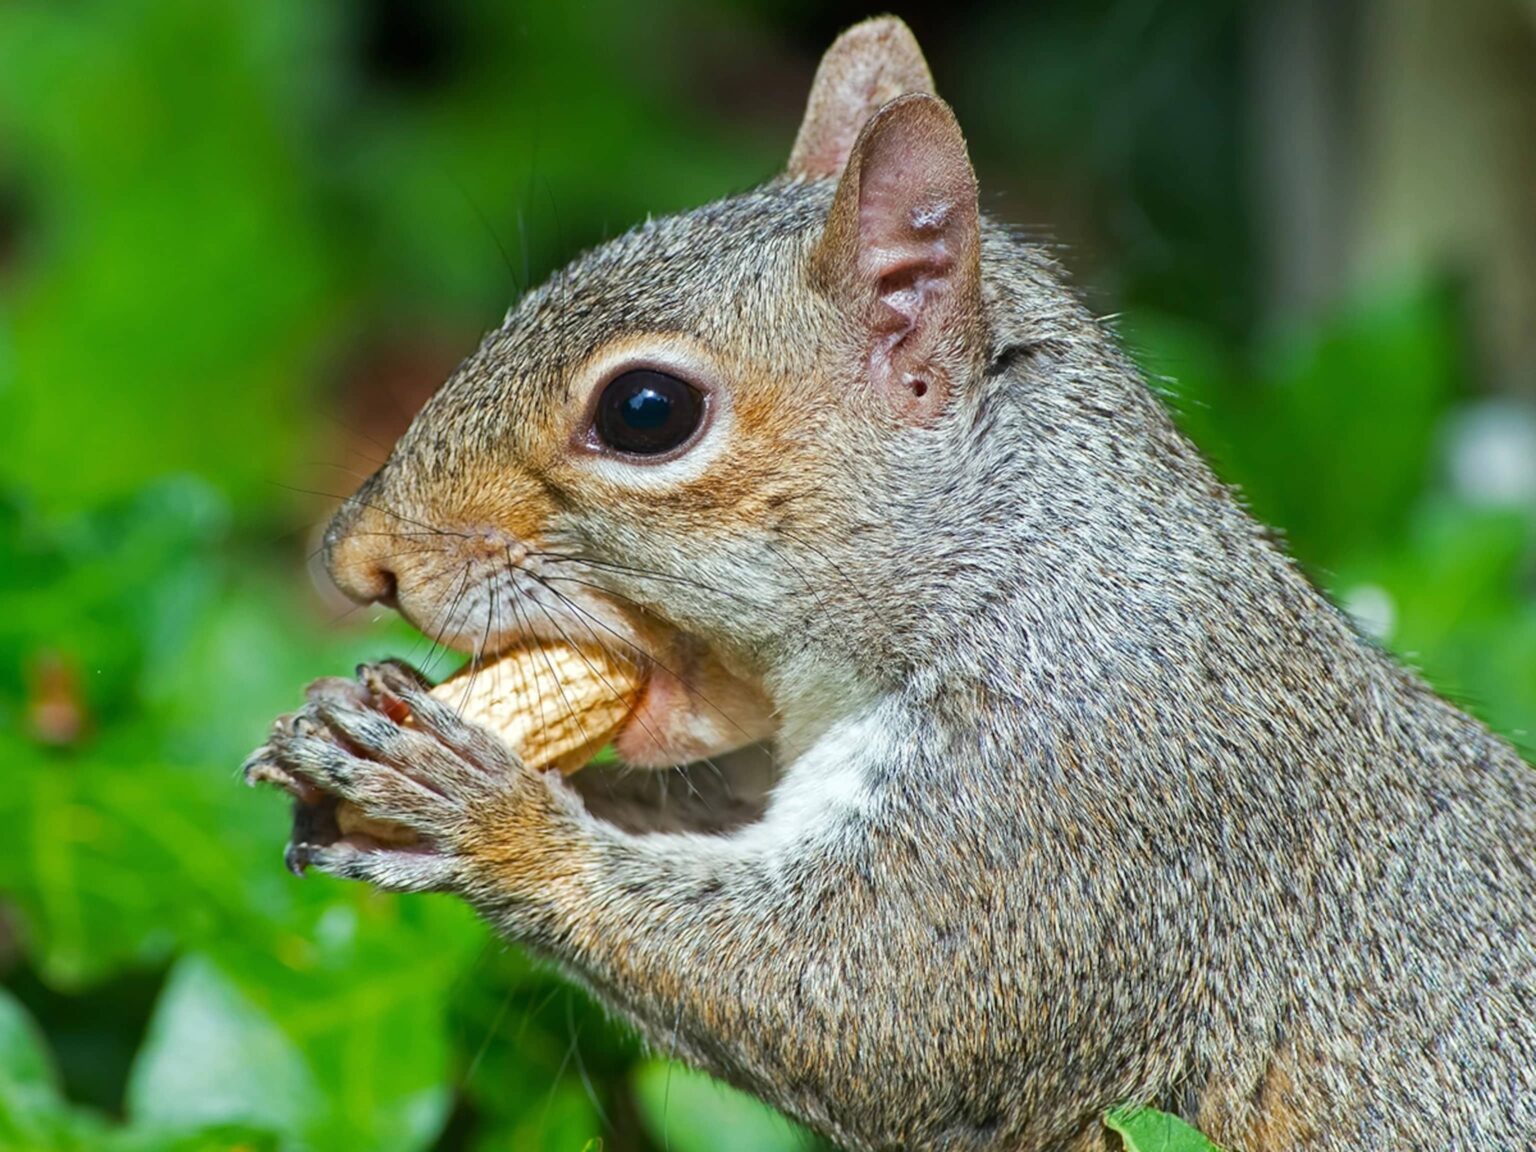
x=1085, y=796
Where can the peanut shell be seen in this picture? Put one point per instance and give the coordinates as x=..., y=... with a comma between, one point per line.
x=554, y=704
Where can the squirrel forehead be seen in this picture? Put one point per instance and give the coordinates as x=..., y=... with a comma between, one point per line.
x=728, y=274
x=699, y=273
x=731, y=274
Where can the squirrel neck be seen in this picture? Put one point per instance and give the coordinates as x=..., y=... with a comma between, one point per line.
x=1064, y=547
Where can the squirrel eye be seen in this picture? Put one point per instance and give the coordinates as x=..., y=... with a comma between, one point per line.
x=645, y=413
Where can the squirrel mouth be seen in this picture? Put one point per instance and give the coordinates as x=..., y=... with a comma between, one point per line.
x=661, y=696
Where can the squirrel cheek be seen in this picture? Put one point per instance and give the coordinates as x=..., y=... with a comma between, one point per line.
x=676, y=722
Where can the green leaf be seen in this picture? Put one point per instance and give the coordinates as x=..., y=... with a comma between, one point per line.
x=338, y=1038
x=688, y=1111
x=1380, y=374
x=25, y=1066
x=212, y=1056
x=1148, y=1130
x=31, y=1106
x=35, y=1116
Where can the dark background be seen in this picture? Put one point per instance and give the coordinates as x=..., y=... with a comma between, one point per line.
x=241, y=242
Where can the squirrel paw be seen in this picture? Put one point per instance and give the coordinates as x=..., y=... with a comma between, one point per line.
x=390, y=785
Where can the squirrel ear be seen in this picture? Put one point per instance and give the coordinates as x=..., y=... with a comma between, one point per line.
x=869, y=65
x=902, y=254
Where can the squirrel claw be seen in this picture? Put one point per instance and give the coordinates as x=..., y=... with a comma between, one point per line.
x=393, y=869
x=376, y=798
x=296, y=858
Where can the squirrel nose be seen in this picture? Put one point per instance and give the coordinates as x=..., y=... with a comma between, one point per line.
x=382, y=588
x=358, y=547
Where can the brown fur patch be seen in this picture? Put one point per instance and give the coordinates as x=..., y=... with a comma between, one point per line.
x=1276, y=1118
x=522, y=850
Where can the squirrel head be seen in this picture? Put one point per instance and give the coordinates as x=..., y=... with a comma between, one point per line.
x=695, y=444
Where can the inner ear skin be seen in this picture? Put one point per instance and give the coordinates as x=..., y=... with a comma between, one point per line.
x=904, y=234
x=914, y=393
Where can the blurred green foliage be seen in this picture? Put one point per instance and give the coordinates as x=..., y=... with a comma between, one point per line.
x=218, y=218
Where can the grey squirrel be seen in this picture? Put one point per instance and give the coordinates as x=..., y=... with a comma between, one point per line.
x=1085, y=796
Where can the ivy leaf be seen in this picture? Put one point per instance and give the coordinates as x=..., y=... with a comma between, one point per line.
x=1148, y=1130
